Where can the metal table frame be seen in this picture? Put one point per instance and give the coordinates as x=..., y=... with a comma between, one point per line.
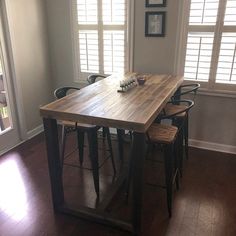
x=99, y=214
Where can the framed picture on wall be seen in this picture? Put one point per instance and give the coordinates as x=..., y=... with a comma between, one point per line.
x=155, y=24
x=155, y=3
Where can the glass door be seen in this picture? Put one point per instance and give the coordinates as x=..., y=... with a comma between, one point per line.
x=9, y=135
x=5, y=123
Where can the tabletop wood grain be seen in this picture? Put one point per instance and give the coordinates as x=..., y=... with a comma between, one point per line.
x=101, y=104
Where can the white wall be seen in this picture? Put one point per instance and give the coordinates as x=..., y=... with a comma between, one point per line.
x=28, y=32
x=212, y=119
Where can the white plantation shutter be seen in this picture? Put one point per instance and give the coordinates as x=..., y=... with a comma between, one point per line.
x=198, y=56
x=200, y=39
x=203, y=12
x=114, y=51
x=211, y=42
x=87, y=11
x=114, y=12
x=226, y=69
x=89, y=60
x=102, y=26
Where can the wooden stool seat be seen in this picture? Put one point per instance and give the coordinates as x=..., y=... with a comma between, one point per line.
x=172, y=109
x=161, y=133
x=79, y=125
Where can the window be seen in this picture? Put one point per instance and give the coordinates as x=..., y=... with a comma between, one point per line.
x=102, y=36
x=210, y=53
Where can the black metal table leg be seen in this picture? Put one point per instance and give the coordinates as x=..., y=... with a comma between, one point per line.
x=120, y=133
x=93, y=155
x=168, y=175
x=80, y=139
x=186, y=136
x=107, y=132
x=138, y=155
x=55, y=170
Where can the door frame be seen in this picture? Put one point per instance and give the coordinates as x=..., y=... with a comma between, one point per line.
x=13, y=85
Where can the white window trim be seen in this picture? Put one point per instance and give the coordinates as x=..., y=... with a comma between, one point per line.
x=181, y=39
x=130, y=30
x=207, y=88
x=74, y=39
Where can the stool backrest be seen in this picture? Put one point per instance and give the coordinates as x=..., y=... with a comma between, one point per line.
x=63, y=91
x=186, y=89
x=188, y=104
x=92, y=78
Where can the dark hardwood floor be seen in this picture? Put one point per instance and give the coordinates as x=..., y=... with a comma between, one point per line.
x=204, y=205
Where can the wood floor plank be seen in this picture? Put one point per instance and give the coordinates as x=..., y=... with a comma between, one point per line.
x=204, y=205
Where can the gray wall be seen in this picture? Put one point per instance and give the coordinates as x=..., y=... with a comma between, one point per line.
x=60, y=37
x=212, y=119
x=153, y=54
x=28, y=30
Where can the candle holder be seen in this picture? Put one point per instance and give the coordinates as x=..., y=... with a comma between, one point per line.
x=127, y=84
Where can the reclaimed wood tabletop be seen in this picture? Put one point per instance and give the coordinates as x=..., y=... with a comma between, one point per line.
x=101, y=104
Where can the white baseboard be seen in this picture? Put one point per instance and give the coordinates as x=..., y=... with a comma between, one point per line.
x=204, y=145
x=35, y=131
x=192, y=142
x=30, y=134
x=9, y=148
x=212, y=146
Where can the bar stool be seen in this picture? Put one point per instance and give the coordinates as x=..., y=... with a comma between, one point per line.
x=81, y=129
x=181, y=119
x=166, y=135
x=169, y=137
x=177, y=114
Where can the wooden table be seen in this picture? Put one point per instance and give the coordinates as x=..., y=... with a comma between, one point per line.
x=101, y=104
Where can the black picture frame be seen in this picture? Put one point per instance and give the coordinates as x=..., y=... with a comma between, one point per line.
x=155, y=24
x=155, y=3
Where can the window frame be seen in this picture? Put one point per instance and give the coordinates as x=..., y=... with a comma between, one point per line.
x=79, y=76
x=209, y=87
